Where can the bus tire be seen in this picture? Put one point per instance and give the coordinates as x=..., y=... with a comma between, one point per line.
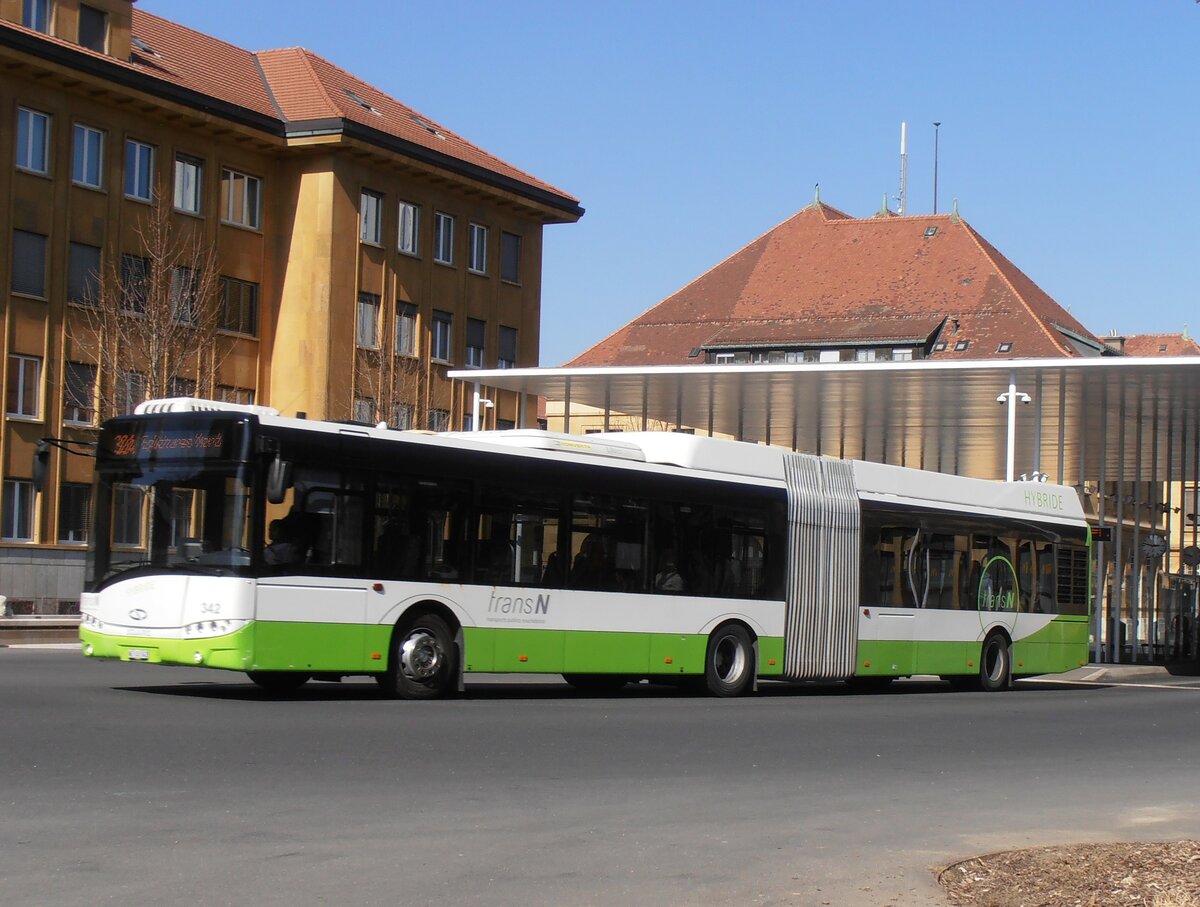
x=422, y=661
x=995, y=664
x=596, y=684
x=278, y=681
x=729, y=661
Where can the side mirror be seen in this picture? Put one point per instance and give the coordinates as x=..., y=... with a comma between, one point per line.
x=41, y=460
x=279, y=479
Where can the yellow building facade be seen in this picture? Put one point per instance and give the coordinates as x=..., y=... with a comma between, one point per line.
x=363, y=250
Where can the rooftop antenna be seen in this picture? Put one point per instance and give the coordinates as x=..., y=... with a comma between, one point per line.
x=903, y=166
x=936, y=126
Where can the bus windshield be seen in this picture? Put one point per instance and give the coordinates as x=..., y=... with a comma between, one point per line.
x=188, y=516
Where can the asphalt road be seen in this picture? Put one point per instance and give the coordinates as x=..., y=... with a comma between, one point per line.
x=143, y=784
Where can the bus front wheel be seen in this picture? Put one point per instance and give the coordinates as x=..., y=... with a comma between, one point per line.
x=422, y=660
x=729, y=663
x=995, y=664
x=278, y=681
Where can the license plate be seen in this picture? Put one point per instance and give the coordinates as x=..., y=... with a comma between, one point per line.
x=139, y=654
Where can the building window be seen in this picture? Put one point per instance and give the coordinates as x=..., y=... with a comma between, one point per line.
x=366, y=331
x=181, y=387
x=33, y=140
x=184, y=296
x=83, y=273
x=189, y=182
x=35, y=14
x=18, y=511
x=139, y=170
x=135, y=284
x=410, y=221
x=370, y=217
x=477, y=259
x=131, y=391
x=475, y=340
x=239, y=306
x=1005, y=347
x=241, y=198
x=724, y=359
x=510, y=257
x=74, y=512
x=127, y=515
x=93, y=28
x=402, y=416
x=939, y=346
x=24, y=386
x=240, y=395
x=508, y=348
x=439, y=420
x=29, y=264
x=443, y=324
x=364, y=409
x=443, y=238
x=87, y=156
x=79, y=394
x=829, y=356
x=902, y=355
x=406, y=329
x=961, y=345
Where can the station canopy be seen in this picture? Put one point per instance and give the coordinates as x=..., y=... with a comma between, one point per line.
x=1107, y=418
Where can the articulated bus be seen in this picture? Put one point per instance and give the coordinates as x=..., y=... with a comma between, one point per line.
x=228, y=536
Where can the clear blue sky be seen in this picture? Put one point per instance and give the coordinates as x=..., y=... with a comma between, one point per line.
x=1070, y=130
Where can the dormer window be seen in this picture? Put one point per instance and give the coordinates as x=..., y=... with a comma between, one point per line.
x=93, y=28
x=961, y=345
x=1005, y=347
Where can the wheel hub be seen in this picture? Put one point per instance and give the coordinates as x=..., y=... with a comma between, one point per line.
x=420, y=655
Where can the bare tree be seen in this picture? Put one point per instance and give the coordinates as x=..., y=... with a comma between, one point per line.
x=395, y=388
x=152, y=322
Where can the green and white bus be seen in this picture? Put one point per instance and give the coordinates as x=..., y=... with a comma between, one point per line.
x=231, y=537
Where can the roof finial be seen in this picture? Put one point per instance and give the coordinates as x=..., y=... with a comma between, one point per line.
x=883, y=211
x=954, y=216
x=816, y=193
x=1185, y=336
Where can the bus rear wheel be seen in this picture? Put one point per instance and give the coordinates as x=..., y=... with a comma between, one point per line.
x=729, y=662
x=995, y=664
x=278, y=681
x=422, y=662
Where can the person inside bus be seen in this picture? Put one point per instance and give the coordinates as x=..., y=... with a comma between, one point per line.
x=285, y=546
x=668, y=578
x=591, y=569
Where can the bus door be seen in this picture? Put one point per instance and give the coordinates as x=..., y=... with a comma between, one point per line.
x=311, y=615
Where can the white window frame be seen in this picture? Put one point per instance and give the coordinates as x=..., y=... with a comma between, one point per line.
x=443, y=238
x=189, y=198
x=366, y=321
x=406, y=329
x=81, y=156
x=19, y=507
x=370, y=217
x=30, y=157
x=141, y=171
x=401, y=416
x=24, y=383
x=71, y=408
x=251, y=214
x=408, y=239
x=364, y=409
x=35, y=14
x=504, y=332
x=904, y=354
x=441, y=337
x=477, y=252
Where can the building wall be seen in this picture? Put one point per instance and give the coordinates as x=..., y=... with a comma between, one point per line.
x=306, y=258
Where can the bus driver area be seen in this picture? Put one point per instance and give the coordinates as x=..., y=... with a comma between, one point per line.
x=292, y=549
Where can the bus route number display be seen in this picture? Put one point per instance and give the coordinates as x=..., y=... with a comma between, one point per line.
x=187, y=442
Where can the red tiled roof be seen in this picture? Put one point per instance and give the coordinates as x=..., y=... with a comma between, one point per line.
x=293, y=84
x=863, y=278
x=1161, y=345
x=309, y=87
